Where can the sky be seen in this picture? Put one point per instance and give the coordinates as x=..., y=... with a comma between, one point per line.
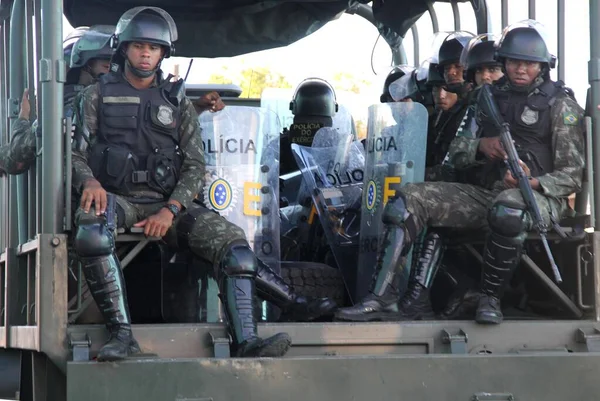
x=350, y=44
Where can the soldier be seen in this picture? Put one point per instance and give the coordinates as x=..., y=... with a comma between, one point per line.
x=546, y=122
x=138, y=136
x=89, y=54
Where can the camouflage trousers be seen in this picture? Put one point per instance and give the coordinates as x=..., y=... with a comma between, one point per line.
x=465, y=206
x=208, y=234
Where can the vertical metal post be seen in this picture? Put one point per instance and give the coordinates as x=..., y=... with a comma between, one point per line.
x=52, y=77
x=504, y=13
x=594, y=80
x=17, y=204
x=415, y=35
x=531, y=12
x=3, y=134
x=456, y=14
x=40, y=116
x=560, y=16
x=481, y=16
x=31, y=81
x=433, y=15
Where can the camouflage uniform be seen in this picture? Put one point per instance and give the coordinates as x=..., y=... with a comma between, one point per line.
x=19, y=154
x=210, y=233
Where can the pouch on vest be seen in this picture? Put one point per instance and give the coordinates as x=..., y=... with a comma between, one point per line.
x=163, y=170
x=114, y=168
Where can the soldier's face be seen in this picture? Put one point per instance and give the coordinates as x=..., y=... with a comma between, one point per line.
x=98, y=67
x=144, y=56
x=522, y=72
x=453, y=73
x=487, y=74
x=443, y=99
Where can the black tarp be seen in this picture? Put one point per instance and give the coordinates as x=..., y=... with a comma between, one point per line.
x=223, y=28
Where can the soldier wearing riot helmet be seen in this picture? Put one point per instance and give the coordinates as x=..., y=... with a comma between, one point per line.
x=547, y=128
x=479, y=62
x=395, y=74
x=449, y=61
x=313, y=105
x=160, y=168
x=17, y=156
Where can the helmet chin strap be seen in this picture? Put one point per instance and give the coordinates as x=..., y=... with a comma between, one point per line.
x=141, y=73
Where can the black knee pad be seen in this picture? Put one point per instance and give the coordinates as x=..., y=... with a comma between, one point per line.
x=395, y=214
x=507, y=220
x=239, y=260
x=94, y=239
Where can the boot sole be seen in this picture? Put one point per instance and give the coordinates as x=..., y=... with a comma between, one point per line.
x=275, y=346
x=487, y=319
x=373, y=317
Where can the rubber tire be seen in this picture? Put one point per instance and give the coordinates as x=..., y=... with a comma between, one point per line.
x=312, y=279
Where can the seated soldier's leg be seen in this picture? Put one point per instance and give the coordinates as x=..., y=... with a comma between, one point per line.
x=438, y=204
x=509, y=223
x=95, y=248
x=220, y=242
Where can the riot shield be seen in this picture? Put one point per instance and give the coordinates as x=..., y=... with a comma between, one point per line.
x=395, y=155
x=334, y=181
x=241, y=148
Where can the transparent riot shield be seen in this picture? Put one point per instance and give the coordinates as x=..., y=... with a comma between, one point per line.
x=395, y=156
x=241, y=148
x=334, y=176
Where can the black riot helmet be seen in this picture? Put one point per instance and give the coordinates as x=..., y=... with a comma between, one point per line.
x=452, y=47
x=314, y=97
x=147, y=25
x=434, y=78
x=70, y=41
x=94, y=44
x=396, y=73
x=479, y=52
x=525, y=40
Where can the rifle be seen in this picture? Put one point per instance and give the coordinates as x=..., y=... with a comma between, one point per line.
x=488, y=107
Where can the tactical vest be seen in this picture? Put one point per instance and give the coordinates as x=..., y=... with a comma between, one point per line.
x=137, y=148
x=530, y=120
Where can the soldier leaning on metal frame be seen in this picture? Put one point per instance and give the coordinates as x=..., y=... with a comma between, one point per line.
x=547, y=124
x=87, y=54
x=138, y=137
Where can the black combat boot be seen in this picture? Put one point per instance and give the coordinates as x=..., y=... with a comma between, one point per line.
x=107, y=286
x=415, y=304
x=382, y=301
x=238, y=297
x=272, y=288
x=462, y=304
x=237, y=291
x=501, y=258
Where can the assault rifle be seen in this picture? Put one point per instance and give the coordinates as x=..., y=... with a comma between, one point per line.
x=488, y=107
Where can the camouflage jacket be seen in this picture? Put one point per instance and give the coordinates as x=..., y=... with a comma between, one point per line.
x=86, y=126
x=567, y=127
x=17, y=156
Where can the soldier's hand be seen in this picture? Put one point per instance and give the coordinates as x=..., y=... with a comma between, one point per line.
x=492, y=148
x=25, y=111
x=158, y=224
x=510, y=181
x=93, y=192
x=211, y=102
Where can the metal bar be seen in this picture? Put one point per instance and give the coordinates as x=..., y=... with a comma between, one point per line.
x=549, y=284
x=16, y=213
x=28, y=247
x=2, y=337
x=415, y=35
x=531, y=10
x=3, y=136
x=596, y=250
x=594, y=79
x=504, y=12
x=18, y=198
x=31, y=83
x=560, y=16
x=52, y=78
x=590, y=171
x=52, y=289
x=68, y=176
x=579, y=277
x=433, y=15
x=456, y=15
x=38, y=162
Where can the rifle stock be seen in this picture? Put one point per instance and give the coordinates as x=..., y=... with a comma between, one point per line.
x=490, y=110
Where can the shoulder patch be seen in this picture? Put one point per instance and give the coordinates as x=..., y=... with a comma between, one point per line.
x=570, y=118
